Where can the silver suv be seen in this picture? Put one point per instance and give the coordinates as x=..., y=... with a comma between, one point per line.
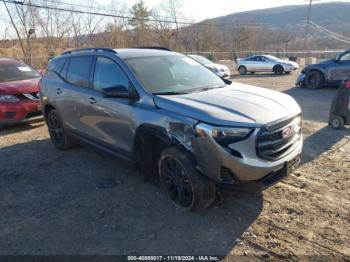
x=173, y=118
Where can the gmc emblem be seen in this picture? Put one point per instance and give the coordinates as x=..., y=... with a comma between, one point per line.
x=287, y=132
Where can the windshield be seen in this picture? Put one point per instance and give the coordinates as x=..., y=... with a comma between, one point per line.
x=15, y=72
x=173, y=74
x=271, y=57
x=201, y=59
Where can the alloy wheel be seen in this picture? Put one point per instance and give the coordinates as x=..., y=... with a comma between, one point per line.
x=176, y=182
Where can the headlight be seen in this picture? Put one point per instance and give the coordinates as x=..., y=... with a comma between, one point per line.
x=223, y=135
x=297, y=124
x=8, y=98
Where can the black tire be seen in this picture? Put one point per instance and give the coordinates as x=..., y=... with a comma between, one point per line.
x=337, y=122
x=314, y=80
x=242, y=70
x=278, y=70
x=55, y=126
x=186, y=187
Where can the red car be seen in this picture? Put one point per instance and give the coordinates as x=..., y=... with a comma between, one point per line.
x=19, y=92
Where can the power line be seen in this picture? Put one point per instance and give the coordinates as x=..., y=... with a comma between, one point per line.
x=62, y=9
x=329, y=31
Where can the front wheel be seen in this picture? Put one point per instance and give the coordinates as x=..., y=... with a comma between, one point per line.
x=278, y=70
x=186, y=187
x=314, y=80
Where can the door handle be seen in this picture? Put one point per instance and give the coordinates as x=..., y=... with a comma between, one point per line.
x=92, y=100
x=58, y=91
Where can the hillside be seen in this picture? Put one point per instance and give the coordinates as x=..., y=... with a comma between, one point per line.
x=333, y=15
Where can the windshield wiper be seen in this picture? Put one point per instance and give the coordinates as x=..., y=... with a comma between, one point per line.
x=170, y=93
x=206, y=88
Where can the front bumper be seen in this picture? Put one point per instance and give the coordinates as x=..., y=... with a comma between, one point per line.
x=290, y=68
x=245, y=168
x=18, y=112
x=300, y=80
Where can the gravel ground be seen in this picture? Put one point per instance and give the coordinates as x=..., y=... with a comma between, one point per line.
x=54, y=202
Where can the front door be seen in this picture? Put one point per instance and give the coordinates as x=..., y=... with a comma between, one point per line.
x=341, y=68
x=108, y=121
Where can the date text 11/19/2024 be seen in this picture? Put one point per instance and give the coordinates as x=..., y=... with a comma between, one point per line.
x=174, y=258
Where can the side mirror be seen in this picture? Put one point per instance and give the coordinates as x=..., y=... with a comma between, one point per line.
x=118, y=91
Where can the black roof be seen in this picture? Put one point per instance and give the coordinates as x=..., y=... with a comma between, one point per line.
x=126, y=53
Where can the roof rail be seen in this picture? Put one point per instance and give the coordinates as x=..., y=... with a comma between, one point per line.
x=102, y=49
x=154, y=47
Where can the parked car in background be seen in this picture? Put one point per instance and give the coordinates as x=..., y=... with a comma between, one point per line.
x=265, y=63
x=326, y=73
x=174, y=119
x=220, y=70
x=19, y=92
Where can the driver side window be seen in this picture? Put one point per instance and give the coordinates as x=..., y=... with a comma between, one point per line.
x=108, y=73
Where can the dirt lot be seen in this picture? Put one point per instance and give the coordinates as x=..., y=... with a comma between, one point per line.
x=54, y=202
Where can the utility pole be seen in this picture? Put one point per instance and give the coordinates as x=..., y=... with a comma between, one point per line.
x=307, y=24
x=30, y=33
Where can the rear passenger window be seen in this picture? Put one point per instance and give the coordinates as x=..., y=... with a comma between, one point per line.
x=108, y=73
x=79, y=70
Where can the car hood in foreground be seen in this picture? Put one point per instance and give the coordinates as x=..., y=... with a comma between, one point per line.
x=234, y=105
x=20, y=87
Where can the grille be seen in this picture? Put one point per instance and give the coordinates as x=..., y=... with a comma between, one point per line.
x=32, y=96
x=270, y=143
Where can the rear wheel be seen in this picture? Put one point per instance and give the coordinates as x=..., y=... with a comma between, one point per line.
x=56, y=131
x=242, y=70
x=278, y=70
x=314, y=80
x=186, y=187
x=337, y=122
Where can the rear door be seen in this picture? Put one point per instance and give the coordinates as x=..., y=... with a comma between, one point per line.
x=73, y=95
x=107, y=121
x=266, y=64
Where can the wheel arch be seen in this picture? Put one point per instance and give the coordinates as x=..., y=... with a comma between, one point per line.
x=277, y=65
x=316, y=69
x=243, y=66
x=149, y=141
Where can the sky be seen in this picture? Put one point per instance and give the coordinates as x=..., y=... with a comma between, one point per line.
x=202, y=9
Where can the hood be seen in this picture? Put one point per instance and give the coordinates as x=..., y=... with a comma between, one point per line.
x=20, y=87
x=234, y=105
x=322, y=64
x=217, y=66
x=288, y=62
x=293, y=63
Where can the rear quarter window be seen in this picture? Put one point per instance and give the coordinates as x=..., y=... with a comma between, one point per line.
x=78, y=72
x=57, y=65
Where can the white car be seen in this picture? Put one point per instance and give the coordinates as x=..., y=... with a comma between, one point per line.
x=265, y=63
x=220, y=70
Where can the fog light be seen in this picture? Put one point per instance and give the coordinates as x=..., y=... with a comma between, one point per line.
x=227, y=176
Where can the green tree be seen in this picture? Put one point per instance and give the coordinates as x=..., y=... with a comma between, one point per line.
x=140, y=22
